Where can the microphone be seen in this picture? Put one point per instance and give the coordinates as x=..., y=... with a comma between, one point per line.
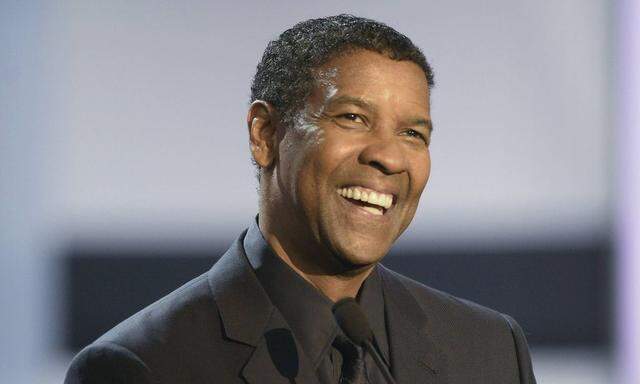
x=355, y=326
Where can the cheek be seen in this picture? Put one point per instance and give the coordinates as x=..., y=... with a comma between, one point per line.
x=298, y=146
x=428, y=168
x=421, y=171
x=330, y=154
x=313, y=168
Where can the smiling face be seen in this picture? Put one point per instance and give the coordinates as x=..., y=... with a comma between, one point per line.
x=348, y=174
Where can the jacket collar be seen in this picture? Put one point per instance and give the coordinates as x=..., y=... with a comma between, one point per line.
x=249, y=317
x=243, y=305
x=415, y=357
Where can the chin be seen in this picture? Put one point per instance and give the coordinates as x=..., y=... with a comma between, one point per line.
x=354, y=250
x=354, y=257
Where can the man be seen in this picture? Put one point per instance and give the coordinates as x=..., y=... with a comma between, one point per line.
x=339, y=128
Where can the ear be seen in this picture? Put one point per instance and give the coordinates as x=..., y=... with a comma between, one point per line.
x=262, y=122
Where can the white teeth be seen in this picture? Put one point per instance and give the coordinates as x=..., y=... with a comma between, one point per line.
x=376, y=198
x=373, y=199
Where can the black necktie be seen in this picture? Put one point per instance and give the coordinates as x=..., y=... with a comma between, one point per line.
x=353, y=370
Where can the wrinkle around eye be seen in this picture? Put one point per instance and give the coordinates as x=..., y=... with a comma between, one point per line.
x=350, y=120
x=413, y=133
x=353, y=117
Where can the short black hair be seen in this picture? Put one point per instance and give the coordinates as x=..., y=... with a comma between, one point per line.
x=284, y=77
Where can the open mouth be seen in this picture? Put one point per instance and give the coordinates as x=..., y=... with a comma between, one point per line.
x=374, y=202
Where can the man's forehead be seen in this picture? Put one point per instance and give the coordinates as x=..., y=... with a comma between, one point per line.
x=364, y=63
x=366, y=92
x=326, y=73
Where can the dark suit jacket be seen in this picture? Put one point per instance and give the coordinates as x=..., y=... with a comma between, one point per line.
x=221, y=328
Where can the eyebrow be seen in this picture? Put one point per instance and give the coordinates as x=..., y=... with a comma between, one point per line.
x=424, y=123
x=362, y=103
x=357, y=101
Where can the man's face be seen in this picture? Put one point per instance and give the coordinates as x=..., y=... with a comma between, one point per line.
x=351, y=169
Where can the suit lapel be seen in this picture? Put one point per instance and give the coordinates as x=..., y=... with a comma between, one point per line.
x=249, y=317
x=278, y=358
x=415, y=358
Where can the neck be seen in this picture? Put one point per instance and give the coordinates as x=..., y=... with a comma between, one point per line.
x=334, y=283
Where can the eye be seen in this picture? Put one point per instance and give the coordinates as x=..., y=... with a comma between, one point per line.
x=352, y=117
x=416, y=134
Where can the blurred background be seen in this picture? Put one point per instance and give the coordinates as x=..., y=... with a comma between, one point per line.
x=125, y=171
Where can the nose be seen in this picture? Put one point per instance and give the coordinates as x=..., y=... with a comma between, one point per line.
x=385, y=154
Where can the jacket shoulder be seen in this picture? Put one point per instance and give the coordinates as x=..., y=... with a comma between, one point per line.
x=436, y=302
x=179, y=338
x=176, y=315
x=104, y=362
x=472, y=336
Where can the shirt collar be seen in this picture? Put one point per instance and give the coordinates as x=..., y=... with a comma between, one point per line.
x=307, y=310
